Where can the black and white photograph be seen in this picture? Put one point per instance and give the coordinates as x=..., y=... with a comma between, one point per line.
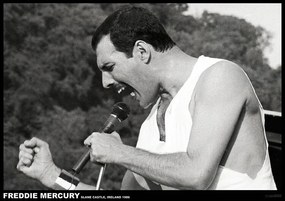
x=119, y=98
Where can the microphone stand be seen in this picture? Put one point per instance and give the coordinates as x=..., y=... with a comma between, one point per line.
x=102, y=169
x=107, y=129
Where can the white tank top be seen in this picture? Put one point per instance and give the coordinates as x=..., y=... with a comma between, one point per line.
x=178, y=133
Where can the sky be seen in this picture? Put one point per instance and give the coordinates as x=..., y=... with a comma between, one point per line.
x=266, y=15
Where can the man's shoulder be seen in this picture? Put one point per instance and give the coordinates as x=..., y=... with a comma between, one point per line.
x=223, y=77
x=224, y=70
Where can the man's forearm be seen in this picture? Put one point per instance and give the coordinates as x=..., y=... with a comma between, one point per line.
x=167, y=169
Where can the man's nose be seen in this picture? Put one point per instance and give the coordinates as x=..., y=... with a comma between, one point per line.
x=107, y=80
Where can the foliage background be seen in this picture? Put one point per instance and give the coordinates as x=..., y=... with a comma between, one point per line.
x=52, y=87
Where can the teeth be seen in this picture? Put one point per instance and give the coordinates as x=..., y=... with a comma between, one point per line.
x=120, y=90
x=124, y=90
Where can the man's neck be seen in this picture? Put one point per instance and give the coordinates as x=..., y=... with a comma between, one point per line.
x=173, y=67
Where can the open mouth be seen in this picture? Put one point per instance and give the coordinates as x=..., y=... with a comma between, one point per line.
x=124, y=89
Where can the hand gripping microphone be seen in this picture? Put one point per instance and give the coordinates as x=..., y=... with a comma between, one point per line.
x=119, y=113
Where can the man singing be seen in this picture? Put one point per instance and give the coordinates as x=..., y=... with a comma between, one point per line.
x=206, y=126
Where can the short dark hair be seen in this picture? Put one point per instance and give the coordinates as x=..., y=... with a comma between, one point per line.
x=129, y=24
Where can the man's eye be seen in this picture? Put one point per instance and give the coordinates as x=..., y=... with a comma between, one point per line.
x=108, y=68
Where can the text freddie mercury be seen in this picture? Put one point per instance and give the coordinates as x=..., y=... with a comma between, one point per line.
x=41, y=195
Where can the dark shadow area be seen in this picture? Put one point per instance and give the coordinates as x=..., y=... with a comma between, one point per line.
x=273, y=128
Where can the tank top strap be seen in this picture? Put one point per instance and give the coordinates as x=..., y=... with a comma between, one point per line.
x=202, y=64
x=263, y=122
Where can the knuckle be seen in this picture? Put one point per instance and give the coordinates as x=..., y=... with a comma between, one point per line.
x=21, y=146
x=20, y=154
x=28, y=156
x=26, y=161
x=94, y=133
x=18, y=166
x=30, y=151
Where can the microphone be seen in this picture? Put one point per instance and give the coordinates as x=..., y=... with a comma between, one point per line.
x=119, y=113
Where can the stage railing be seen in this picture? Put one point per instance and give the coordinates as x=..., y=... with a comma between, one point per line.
x=273, y=128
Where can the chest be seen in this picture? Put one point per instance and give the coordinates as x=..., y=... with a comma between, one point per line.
x=162, y=108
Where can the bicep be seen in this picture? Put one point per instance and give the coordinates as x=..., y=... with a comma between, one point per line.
x=219, y=101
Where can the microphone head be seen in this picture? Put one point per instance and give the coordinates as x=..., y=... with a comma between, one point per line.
x=121, y=111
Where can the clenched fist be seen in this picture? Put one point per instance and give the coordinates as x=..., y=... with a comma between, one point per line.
x=35, y=161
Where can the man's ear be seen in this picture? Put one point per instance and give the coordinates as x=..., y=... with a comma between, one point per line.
x=142, y=51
